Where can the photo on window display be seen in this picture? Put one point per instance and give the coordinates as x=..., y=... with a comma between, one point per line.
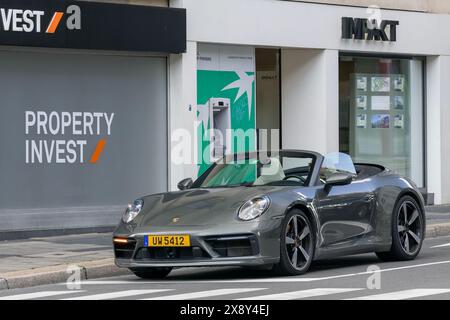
x=380, y=121
x=361, y=102
x=361, y=83
x=361, y=121
x=399, y=121
x=381, y=84
x=381, y=103
x=399, y=84
x=399, y=102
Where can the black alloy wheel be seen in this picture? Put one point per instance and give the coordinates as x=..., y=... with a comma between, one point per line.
x=408, y=231
x=297, y=244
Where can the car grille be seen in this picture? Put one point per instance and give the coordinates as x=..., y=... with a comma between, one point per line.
x=223, y=246
x=126, y=250
x=234, y=246
x=190, y=253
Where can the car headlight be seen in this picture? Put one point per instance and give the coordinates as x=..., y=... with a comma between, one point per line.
x=132, y=211
x=254, y=208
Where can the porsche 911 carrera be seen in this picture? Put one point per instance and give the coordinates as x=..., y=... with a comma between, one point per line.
x=279, y=210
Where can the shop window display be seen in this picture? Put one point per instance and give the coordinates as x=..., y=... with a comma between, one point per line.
x=381, y=113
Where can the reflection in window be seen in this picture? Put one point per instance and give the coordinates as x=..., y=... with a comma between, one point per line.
x=381, y=113
x=336, y=162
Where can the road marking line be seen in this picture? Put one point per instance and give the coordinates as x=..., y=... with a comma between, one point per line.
x=37, y=295
x=301, y=294
x=116, y=282
x=267, y=280
x=441, y=245
x=204, y=294
x=112, y=282
x=294, y=279
x=115, y=295
x=401, y=295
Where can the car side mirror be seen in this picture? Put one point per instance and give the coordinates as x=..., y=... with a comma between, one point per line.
x=185, y=184
x=338, y=179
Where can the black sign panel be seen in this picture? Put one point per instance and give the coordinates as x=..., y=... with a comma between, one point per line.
x=90, y=25
x=363, y=29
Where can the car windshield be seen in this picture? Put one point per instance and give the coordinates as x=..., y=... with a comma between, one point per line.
x=259, y=169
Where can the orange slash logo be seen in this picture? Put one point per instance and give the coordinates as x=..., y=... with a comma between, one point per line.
x=98, y=151
x=55, y=22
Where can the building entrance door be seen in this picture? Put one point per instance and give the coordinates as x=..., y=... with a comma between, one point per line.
x=268, y=83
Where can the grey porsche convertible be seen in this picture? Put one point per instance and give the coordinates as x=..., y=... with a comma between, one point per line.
x=279, y=210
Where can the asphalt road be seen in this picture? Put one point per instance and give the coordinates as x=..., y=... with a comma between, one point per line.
x=427, y=277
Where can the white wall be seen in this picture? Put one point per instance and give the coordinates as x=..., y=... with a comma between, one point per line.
x=434, y=131
x=416, y=117
x=440, y=6
x=307, y=25
x=182, y=115
x=309, y=95
x=438, y=127
x=445, y=127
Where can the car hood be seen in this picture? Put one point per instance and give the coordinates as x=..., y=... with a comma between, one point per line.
x=197, y=207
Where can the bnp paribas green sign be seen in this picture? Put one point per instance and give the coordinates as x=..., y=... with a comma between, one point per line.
x=225, y=102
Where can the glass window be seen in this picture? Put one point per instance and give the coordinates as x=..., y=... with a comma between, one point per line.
x=381, y=113
x=278, y=168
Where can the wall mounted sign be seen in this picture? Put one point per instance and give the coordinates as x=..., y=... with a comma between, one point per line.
x=363, y=29
x=92, y=25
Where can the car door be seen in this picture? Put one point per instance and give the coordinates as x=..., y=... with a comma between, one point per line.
x=345, y=211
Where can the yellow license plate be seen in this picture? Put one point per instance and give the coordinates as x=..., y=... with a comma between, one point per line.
x=167, y=241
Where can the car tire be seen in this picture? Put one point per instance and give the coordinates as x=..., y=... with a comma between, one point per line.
x=304, y=237
x=408, y=231
x=151, y=273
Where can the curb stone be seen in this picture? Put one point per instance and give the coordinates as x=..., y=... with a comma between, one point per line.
x=3, y=284
x=438, y=230
x=58, y=274
x=103, y=269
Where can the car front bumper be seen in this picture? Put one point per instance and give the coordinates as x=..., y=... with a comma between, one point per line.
x=253, y=243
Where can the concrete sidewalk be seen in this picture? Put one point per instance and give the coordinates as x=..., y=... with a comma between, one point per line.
x=37, y=261
x=25, y=263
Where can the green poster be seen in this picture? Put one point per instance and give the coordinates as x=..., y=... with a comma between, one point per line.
x=225, y=102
